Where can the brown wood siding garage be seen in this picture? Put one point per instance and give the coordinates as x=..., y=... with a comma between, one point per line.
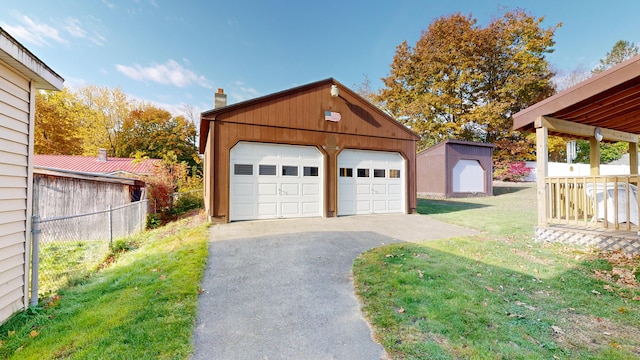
x=298, y=117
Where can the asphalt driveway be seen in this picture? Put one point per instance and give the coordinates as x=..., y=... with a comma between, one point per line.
x=282, y=289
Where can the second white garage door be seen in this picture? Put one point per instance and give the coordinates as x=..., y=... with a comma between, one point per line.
x=370, y=182
x=275, y=181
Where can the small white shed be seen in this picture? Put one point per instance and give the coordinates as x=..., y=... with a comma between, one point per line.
x=21, y=74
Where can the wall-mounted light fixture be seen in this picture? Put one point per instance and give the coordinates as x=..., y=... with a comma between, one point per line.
x=334, y=91
x=597, y=133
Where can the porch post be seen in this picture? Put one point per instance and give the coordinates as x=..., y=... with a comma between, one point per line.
x=594, y=156
x=633, y=158
x=542, y=161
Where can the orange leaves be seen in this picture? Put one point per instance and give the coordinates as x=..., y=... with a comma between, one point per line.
x=623, y=269
x=464, y=81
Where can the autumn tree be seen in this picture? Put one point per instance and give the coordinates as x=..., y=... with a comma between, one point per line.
x=154, y=132
x=107, y=109
x=622, y=50
x=464, y=81
x=57, y=123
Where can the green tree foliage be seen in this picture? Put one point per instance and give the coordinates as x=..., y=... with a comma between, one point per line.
x=58, y=119
x=154, y=132
x=622, y=50
x=608, y=151
x=464, y=81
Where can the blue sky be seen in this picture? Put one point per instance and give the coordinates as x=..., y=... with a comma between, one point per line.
x=174, y=53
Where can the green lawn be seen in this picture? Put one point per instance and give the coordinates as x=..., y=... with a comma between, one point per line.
x=499, y=295
x=63, y=262
x=142, y=306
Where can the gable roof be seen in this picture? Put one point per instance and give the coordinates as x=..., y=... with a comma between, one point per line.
x=91, y=164
x=210, y=115
x=456, y=142
x=609, y=100
x=22, y=60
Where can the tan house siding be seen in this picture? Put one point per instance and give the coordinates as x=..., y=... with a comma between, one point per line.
x=14, y=189
x=21, y=73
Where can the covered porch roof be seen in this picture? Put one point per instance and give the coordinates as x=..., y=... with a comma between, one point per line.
x=605, y=107
x=609, y=100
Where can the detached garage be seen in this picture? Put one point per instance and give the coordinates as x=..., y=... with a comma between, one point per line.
x=318, y=150
x=456, y=168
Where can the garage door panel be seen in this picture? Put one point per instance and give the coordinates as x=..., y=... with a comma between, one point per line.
x=345, y=190
x=244, y=211
x=267, y=210
x=377, y=184
x=310, y=209
x=468, y=176
x=363, y=207
x=363, y=189
x=395, y=189
x=347, y=207
x=290, y=208
x=290, y=189
x=243, y=190
x=310, y=189
x=395, y=205
x=379, y=205
x=275, y=180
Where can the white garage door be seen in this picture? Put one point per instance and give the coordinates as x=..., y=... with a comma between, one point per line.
x=468, y=176
x=370, y=182
x=275, y=181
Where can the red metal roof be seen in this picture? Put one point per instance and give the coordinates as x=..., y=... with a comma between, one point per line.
x=91, y=164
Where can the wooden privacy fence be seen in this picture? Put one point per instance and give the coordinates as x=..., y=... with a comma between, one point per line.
x=609, y=202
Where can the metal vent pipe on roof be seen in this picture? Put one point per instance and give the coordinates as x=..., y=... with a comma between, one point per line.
x=102, y=155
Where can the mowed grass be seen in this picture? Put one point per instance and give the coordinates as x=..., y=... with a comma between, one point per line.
x=499, y=295
x=63, y=262
x=142, y=306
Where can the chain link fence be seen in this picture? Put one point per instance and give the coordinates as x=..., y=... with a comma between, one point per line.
x=69, y=247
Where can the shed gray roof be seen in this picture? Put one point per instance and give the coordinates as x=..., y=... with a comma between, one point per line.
x=18, y=57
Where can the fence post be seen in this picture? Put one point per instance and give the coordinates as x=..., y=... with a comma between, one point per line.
x=35, y=258
x=141, y=215
x=110, y=228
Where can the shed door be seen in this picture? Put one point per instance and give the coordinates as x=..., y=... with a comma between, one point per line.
x=468, y=176
x=371, y=182
x=274, y=181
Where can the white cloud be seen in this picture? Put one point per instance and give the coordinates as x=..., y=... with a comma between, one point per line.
x=75, y=83
x=109, y=4
x=169, y=73
x=242, y=92
x=33, y=32
x=74, y=28
x=79, y=30
x=42, y=34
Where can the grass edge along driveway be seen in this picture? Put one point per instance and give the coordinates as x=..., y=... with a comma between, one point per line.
x=499, y=294
x=143, y=306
